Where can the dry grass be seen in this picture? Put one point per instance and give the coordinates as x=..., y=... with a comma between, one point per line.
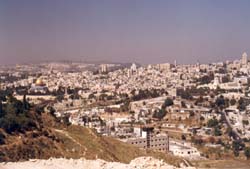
x=111, y=149
x=222, y=164
x=73, y=142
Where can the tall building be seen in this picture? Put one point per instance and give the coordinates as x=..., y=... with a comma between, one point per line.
x=104, y=68
x=149, y=140
x=244, y=59
x=133, y=67
x=216, y=81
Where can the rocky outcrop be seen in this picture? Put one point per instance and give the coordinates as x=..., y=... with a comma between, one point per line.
x=61, y=163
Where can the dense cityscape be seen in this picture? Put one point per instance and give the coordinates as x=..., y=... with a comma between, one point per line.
x=195, y=112
x=124, y=84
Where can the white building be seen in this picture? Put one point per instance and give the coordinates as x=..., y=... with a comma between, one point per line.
x=104, y=68
x=133, y=67
x=244, y=59
x=183, y=150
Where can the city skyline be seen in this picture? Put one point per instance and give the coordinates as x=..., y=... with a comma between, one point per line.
x=123, y=31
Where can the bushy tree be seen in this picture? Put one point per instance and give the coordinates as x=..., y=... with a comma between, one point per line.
x=242, y=104
x=233, y=102
x=15, y=115
x=168, y=102
x=212, y=122
x=11, y=122
x=238, y=145
x=220, y=101
x=217, y=131
x=245, y=122
x=160, y=114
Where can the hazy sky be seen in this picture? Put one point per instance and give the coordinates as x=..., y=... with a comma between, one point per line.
x=144, y=31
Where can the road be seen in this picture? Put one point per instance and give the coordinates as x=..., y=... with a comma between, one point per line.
x=236, y=135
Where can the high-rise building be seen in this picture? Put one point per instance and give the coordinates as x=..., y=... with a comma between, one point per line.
x=133, y=67
x=104, y=68
x=244, y=59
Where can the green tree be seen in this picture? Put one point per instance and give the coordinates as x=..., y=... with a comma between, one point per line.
x=16, y=116
x=242, y=104
x=220, y=101
x=212, y=122
x=160, y=114
x=247, y=152
x=238, y=145
x=26, y=104
x=168, y=102
x=217, y=131
x=232, y=102
x=245, y=122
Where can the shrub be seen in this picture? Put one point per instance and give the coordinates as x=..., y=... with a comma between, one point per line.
x=212, y=123
x=160, y=114
x=247, y=152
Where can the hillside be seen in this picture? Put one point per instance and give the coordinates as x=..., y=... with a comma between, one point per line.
x=32, y=132
x=72, y=142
